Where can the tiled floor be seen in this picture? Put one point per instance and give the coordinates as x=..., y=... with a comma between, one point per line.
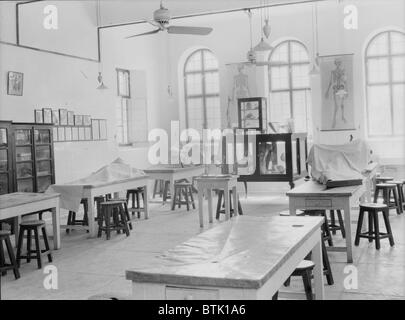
x=87, y=267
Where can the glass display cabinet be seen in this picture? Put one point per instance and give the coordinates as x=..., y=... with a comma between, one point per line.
x=26, y=157
x=252, y=113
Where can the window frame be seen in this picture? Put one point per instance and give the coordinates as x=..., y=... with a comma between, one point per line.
x=289, y=64
x=124, y=99
x=389, y=56
x=204, y=95
x=125, y=71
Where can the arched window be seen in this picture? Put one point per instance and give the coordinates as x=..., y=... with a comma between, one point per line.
x=289, y=85
x=201, y=89
x=385, y=84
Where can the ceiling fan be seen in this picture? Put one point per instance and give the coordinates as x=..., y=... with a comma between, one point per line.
x=161, y=18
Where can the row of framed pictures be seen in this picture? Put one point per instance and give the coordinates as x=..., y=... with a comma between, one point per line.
x=96, y=131
x=61, y=117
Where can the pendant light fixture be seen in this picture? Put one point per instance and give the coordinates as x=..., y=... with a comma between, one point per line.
x=101, y=85
x=263, y=45
x=315, y=45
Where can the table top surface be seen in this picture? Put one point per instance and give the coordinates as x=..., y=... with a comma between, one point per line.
x=243, y=252
x=160, y=168
x=102, y=183
x=219, y=177
x=313, y=188
x=20, y=198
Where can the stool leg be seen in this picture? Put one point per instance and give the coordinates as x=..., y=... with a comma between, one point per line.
x=38, y=248
x=386, y=197
x=377, y=230
x=187, y=201
x=2, y=258
x=174, y=198
x=396, y=200
x=107, y=223
x=376, y=192
x=192, y=197
x=370, y=226
x=240, y=211
x=219, y=203
x=12, y=258
x=19, y=246
x=306, y=279
x=29, y=234
x=326, y=265
x=359, y=225
x=124, y=220
x=341, y=224
x=154, y=189
x=69, y=221
x=46, y=242
x=388, y=227
x=333, y=221
x=100, y=217
x=127, y=216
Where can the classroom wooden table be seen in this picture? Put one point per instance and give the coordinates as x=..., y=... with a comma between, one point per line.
x=14, y=205
x=101, y=188
x=312, y=195
x=245, y=258
x=172, y=173
x=207, y=183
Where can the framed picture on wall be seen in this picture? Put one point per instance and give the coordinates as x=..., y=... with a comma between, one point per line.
x=81, y=134
x=15, y=83
x=71, y=118
x=55, y=117
x=47, y=115
x=87, y=133
x=86, y=120
x=75, y=133
x=63, y=117
x=78, y=120
x=61, y=133
x=38, y=115
x=95, y=129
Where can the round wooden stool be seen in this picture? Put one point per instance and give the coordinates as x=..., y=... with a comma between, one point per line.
x=72, y=221
x=5, y=237
x=221, y=204
x=113, y=217
x=183, y=190
x=383, y=179
x=134, y=195
x=387, y=189
x=399, y=184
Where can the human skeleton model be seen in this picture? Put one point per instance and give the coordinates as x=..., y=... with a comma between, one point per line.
x=338, y=83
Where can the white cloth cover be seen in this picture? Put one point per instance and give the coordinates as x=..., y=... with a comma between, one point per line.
x=71, y=193
x=339, y=162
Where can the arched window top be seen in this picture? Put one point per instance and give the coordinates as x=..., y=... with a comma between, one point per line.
x=201, y=88
x=289, y=51
x=385, y=83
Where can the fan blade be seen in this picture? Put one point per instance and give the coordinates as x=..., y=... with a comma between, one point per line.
x=202, y=31
x=154, y=23
x=144, y=34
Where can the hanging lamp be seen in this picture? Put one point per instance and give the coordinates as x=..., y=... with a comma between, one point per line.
x=101, y=85
x=315, y=66
x=263, y=45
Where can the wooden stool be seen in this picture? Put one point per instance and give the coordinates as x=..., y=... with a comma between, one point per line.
x=5, y=236
x=158, y=188
x=383, y=179
x=373, y=232
x=114, y=217
x=326, y=232
x=135, y=200
x=126, y=211
x=286, y=213
x=185, y=189
x=35, y=227
x=333, y=226
x=303, y=270
x=72, y=221
x=400, y=191
x=221, y=204
x=387, y=189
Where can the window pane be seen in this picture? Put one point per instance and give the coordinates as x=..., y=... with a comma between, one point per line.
x=279, y=78
x=213, y=113
x=211, y=83
x=379, y=45
x=398, y=68
x=379, y=110
x=377, y=70
x=300, y=77
x=397, y=42
x=280, y=53
x=193, y=84
x=210, y=61
x=279, y=106
x=194, y=62
x=195, y=113
x=301, y=110
x=398, y=96
x=298, y=52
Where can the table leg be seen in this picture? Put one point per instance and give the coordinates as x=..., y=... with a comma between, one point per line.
x=318, y=269
x=210, y=213
x=348, y=228
x=56, y=227
x=292, y=207
x=227, y=204
x=91, y=216
x=200, y=205
x=16, y=221
x=235, y=201
x=145, y=204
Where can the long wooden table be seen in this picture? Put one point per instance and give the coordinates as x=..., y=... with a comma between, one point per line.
x=101, y=188
x=14, y=205
x=173, y=173
x=314, y=196
x=243, y=258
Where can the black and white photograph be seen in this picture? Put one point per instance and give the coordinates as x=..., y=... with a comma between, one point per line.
x=209, y=150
